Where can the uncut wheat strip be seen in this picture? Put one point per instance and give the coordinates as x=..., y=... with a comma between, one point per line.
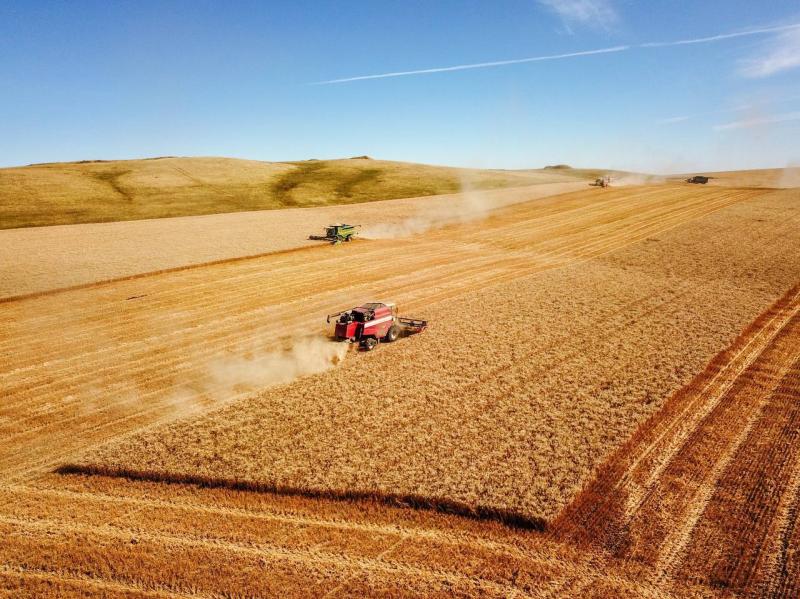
x=632, y=312
x=675, y=432
x=287, y=517
x=96, y=584
x=300, y=556
x=623, y=308
x=729, y=544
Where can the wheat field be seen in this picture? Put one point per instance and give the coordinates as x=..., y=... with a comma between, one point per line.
x=584, y=350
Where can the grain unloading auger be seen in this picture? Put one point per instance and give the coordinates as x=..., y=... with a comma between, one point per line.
x=337, y=233
x=374, y=322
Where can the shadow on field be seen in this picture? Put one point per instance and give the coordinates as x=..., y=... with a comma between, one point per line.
x=446, y=506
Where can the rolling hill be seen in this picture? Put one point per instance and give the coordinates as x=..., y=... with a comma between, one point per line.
x=104, y=191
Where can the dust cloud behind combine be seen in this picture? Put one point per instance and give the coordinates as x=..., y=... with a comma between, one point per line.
x=256, y=370
x=636, y=179
x=472, y=204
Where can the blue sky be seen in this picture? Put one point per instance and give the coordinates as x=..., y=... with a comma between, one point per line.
x=84, y=80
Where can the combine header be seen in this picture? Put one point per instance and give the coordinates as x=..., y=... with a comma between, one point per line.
x=372, y=323
x=337, y=233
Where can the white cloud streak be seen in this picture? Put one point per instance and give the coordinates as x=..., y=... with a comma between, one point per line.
x=782, y=59
x=723, y=36
x=673, y=119
x=596, y=13
x=782, y=54
x=478, y=65
x=746, y=124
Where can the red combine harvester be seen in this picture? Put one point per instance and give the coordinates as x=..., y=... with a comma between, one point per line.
x=374, y=322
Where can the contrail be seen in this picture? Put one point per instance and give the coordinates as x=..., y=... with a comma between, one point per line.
x=497, y=63
x=780, y=118
x=723, y=36
x=478, y=65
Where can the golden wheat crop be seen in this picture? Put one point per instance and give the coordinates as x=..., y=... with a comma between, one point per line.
x=557, y=327
x=519, y=389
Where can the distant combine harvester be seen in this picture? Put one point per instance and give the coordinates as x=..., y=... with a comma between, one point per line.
x=337, y=233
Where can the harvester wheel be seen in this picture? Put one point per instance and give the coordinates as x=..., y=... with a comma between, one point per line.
x=348, y=238
x=392, y=334
x=370, y=343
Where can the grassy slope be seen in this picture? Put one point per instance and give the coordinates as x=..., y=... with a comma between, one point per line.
x=84, y=192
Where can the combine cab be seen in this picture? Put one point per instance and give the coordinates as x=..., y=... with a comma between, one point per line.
x=372, y=323
x=337, y=233
x=602, y=182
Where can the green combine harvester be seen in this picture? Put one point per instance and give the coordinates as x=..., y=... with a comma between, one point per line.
x=337, y=233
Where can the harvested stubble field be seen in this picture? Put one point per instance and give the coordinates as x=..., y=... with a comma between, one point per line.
x=559, y=327
x=46, y=258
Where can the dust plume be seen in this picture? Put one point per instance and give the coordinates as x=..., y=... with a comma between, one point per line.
x=229, y=377
x=471, y=204
x=309, y=355
x=636, y=179
x=790, y=176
